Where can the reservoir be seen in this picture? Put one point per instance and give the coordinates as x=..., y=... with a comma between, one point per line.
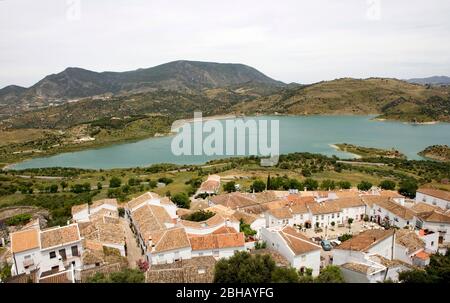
x=313, y=134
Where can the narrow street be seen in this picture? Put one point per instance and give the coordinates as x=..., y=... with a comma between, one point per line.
x=133, y=250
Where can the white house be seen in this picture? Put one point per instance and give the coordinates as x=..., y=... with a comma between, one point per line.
x=369, y=257
x=439, y=223
x=325, y=213
x=385, y=211
x=104, y=207
x=408, y=244
x=50, y=250
x=301, y=252
x=168, y=246
x=279, y=217
x=223, y=243
x=435, y=197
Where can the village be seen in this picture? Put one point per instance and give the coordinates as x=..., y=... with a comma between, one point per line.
x=372, y=235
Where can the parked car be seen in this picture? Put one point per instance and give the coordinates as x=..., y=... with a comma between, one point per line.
x=326, y=245
x=335, y=242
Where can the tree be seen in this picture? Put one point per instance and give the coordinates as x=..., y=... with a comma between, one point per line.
x=364, y=185
x=200, y=215
x=115, y=182
x=246, y=229
x=99, y=185
x=165, y=180
x=258, y=186
x=5, y=271
x=229, y=187
x=269, y=185
x=182, y=200
x=284, y=275
x=244, y=268
x=350, y=221
x=54, y=188
x=311, y=184
x=408, y=188
x=344, y=185
x=64, y=185
x=330, y=274
x=345, y=237
x=387, y=185
x=327, y=185
x=438, y=271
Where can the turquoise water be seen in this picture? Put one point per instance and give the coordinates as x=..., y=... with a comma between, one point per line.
x=297, y=134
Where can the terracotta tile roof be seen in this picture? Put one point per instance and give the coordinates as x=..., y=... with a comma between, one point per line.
x=59, y=236
x=78, y=208
x=434, y=216
x=281, y=213
x=365, y=240
x=209, y=186
x=358, y=267
x=390, y=194
x=327, y=207
x=299, y=208
x=225, y=230
x=246, y=217
x=370, y=200
x=397, y=209
x=296, y=198
x=166, y=201
x=279, y=259
x=217, y=241
x=350, y=193
x=298, y=243
x=410, y=240
x=349, y=202
x=170, y=239
x=265, y=196
x=142, y=199
x=233, y=200
x=422, y=255
x=24, y=240
x=150, y=218
x=112, y=202
x=107, y=233
x=422, y=207
x=437, y=193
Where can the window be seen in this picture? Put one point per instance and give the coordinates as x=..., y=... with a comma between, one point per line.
x=301, y=217
x=322, y=217
x=55, y=268
x=304, y=258
x=332, y=216
x=52, y=254
x=432, y=243
x=317, y=218
x=74, y=251
x=62, y=253
x=338, y=215
x=200, y=254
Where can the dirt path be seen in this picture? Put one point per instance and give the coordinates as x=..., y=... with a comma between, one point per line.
x=133, y=250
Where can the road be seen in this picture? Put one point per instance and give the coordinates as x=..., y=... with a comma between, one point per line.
x=133, y=250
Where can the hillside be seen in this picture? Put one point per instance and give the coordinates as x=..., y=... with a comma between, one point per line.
x=348, y=96
x=182, y=76
x=437, y=152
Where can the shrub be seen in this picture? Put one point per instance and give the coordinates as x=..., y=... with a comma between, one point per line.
x=182, y=200
x=115, y=182
x=18, y=220
x=364, y=185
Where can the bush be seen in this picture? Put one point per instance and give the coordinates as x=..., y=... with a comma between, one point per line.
x=408, y=188
x=345, y=237
x=115, y=182
x=199, y=216
x=387, y=185
x=165, y=180
x=344, y=185
x=311, y=184
x=258, y=186
x=18, y=220
x=182, y=200
x=229, y=187
x=364, y=185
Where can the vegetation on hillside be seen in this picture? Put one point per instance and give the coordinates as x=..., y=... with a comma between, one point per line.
x=436, y=152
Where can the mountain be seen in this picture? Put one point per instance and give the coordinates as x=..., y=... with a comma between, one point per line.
x=11, y=93
x=185, y=76
x=435, y=80
x=391, y=98
x=344, y=96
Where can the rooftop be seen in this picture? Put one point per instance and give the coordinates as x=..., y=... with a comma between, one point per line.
x=397, y=209
x=435, y=216
x=217, y=241
x=170, y=239
x=112, y=202
x=365, y=240
x=437, y=193
x=150, y=218
x=324, y=208
x=79, y=208
x=59, y=236
x=142, y=199
x=24, y=240
x=281, y=213
x=298, y=242
x=410, y=240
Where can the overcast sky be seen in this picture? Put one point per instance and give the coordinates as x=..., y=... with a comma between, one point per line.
x=291, y=41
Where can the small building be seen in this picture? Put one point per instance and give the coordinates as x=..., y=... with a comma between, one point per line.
x=300, y=251
x=104, y=207
x=211, y=186
x=435, y=197
x=279, y=217
x=223, y=243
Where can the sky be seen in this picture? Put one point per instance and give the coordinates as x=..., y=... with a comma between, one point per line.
x=292, y=41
